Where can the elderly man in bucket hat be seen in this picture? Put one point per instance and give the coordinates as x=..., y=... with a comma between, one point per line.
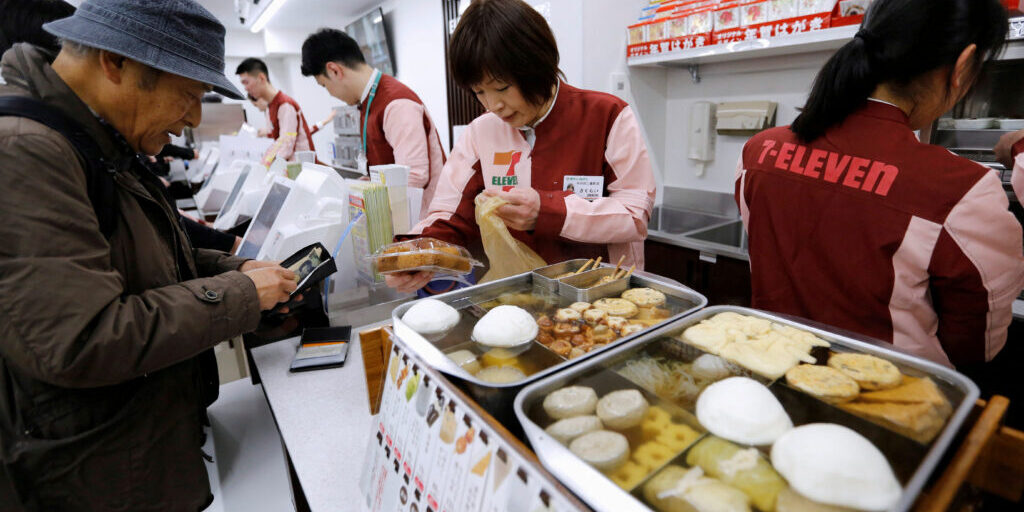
x=107, y=313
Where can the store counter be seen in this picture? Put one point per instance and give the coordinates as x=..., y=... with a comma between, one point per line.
x=324, y=419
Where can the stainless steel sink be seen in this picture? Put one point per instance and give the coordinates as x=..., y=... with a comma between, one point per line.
x=674, y=221
x=731, y=234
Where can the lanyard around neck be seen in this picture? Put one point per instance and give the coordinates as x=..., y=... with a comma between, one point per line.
x=369, y=101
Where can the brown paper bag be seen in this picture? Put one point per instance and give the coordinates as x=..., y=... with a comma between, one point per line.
x=507, y=255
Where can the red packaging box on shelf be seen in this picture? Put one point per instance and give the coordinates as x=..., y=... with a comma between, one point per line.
x=754, y=11
x=712, y=22
x=688, y=26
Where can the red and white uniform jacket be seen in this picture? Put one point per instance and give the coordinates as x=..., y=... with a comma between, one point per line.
x=585, y=133
x=400, y=131
x=288, y=125
x=869, y=230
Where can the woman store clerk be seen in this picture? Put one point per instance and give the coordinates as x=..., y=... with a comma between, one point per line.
x=855, y=223
x=539, y=135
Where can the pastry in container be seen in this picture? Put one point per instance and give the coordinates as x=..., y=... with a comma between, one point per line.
x=424, y=254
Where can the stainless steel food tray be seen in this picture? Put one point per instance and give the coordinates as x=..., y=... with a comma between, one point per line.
x=578, y=287
x=598, y=491
x=546, y=278
x=497, y=398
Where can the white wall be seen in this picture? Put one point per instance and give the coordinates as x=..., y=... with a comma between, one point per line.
x=417, y=46
x=604, y=53
x=785, y=80
x=567, y=22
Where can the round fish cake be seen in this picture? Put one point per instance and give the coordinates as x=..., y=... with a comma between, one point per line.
x=617, y=324
x=570, y=402
x=594, y=316
x=565, y=430
x=870, y=372
x=567, y=315
x=645, y=297
x=602, y=449
x=824, y=382
x=581, y=306
x=622, y=409
x=617, y=307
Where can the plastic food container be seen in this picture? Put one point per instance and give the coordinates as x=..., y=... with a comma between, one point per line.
x=671, y=435
x=983, y=123
x=1011, y=124
x=423, y=254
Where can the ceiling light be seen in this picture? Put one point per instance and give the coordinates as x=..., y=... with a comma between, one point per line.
x=266, y=15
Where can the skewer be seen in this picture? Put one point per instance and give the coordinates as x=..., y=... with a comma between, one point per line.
x=596, y=263
x=631, y=269
x=617, y=274
x=584, y=267
x=619, y=264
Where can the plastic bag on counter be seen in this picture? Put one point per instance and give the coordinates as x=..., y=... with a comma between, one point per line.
x=508, y=256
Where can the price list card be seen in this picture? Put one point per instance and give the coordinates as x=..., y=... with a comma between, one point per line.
x=432, y=453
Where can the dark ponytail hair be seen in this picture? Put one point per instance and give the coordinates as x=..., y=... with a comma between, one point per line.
x=899, y=41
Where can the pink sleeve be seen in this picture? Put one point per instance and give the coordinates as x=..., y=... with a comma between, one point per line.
x=288, y=120
x=620, y=218
x=741, y=198
x=404, y=131
x=976, y=272
x=1017, y=178
x=451, y=215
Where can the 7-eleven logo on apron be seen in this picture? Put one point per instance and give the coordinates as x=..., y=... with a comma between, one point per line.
x=509, y=180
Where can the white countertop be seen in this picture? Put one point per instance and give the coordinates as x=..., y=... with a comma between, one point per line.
x=324, y=419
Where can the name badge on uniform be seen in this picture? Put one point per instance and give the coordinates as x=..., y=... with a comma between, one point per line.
x=361, y=164
x=587, y=187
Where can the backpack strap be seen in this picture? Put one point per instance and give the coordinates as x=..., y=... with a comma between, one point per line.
x=99, y=172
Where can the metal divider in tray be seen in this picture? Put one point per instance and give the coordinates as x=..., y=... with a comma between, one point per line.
x=531, y=292
x=661, y=365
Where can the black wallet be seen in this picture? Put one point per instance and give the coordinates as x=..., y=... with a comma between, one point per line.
x=311, y=265
x=321, y=347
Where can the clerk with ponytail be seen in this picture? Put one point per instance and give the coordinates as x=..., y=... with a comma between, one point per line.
x=855, y=223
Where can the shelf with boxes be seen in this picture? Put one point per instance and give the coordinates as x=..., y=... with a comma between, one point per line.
x=694, y=32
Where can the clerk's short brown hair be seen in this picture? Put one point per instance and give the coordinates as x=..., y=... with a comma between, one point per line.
x=511, y=42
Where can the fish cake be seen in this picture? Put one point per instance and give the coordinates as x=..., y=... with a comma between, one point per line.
x=580, y=306
x=823, y=382
x=617, y=307
x=594, y=316
x=870, y=372
x=567, y=315
x=645, y=297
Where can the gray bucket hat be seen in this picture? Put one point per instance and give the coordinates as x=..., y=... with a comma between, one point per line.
x=176, y=36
